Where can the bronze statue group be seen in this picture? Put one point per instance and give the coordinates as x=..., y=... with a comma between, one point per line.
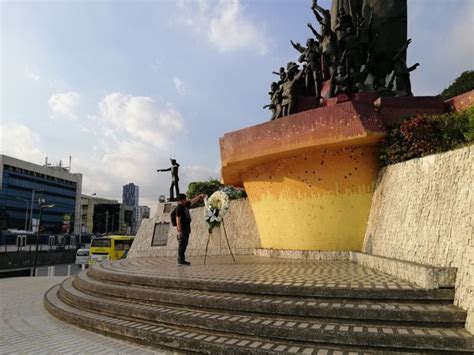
x=340, y=58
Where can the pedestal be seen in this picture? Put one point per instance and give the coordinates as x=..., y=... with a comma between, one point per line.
x=310, y=176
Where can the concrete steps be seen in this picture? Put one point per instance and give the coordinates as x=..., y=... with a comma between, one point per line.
x=122, y=275
x=427, y=314
x=182, y=339
x=205, y=311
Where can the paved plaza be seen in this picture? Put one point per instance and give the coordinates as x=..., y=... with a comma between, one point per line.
x=27, y=328
x=255, y=304
x=253, y=270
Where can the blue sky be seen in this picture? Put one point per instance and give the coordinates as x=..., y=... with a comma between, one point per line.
x=121, y=86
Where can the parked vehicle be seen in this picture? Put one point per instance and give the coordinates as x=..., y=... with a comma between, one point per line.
x=82, y=257
x=111, y=247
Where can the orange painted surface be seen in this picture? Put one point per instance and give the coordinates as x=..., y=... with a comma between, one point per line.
x=318, y=200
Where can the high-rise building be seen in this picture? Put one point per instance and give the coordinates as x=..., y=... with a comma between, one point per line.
x=24, y=185
x=130, y=198
x=141, y=213
x=130, y=195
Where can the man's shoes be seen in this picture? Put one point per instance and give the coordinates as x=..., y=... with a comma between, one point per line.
x=184, y=263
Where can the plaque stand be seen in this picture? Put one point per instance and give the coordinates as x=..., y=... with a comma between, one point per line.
x=226, y=239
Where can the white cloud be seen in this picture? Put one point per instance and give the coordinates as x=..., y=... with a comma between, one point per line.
x=224, y=24
x=132, y=137
x=21, y=142
x=198, y=173
x=179, y=85
x=64, y=104
x=140, y=117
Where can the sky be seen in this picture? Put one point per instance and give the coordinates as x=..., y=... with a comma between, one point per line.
x=122, y=86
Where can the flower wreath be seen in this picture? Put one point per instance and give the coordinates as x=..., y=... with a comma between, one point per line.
x=216, y=207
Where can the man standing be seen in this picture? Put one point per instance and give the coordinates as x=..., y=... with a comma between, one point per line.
x=183, y=224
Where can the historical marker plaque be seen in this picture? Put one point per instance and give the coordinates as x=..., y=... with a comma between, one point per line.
x=160, y=234
x=167, y=207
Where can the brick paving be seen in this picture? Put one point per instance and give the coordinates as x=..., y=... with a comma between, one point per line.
x=27, y=328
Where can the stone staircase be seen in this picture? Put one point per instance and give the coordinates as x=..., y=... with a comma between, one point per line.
x=261, y=306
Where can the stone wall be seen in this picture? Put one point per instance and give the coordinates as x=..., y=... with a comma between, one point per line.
x=240, y=226
x=422, y=211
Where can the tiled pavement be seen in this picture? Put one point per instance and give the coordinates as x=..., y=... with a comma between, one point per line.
x=27, y=328
x=264, y=271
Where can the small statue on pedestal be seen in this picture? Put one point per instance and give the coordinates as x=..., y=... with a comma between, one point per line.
x=174, y=179
x=289, y=88
x=281, y=74
x=276, y=98
x=341, y=81
x=312, y=56
x=401, y=73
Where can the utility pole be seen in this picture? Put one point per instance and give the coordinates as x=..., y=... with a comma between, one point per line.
x=106, y=221
x=31, y=209
x=41, y=206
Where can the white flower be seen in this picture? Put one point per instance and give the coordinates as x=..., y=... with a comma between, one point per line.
x=216, y=207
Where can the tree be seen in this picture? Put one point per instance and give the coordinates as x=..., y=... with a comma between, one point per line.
x=464, y=83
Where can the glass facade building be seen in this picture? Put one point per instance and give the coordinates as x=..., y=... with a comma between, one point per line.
x=24, y=183
x=130, y=198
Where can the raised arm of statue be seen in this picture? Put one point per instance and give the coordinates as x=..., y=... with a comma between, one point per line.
x=319, y=18
x=298, y=47
x=163, y=170
x=392, y=80
x=315, y=33
x=402, y=50
x=322, y=15
x=413, y=67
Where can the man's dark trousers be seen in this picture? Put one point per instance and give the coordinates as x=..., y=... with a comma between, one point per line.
x=182, y=245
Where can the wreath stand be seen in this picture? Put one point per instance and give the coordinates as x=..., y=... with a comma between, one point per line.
x=226, y=239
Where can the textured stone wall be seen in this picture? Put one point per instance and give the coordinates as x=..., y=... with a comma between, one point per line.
x=240, y=226
x=422, y=211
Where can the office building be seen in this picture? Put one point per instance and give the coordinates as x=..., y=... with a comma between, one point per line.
x=104, y=216
x=24, y=185
x=130, y=195
x=130, y=198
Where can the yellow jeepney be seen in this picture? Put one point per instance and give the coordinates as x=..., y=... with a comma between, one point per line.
x=111, y=247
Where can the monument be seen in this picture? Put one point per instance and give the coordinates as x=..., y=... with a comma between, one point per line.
x=174, y=179
x=309, y=175
x=310, y=172
x=360, y=43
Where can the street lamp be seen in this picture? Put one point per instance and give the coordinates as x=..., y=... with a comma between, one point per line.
x=32, y=205
x=26, y=212
x=41, y=206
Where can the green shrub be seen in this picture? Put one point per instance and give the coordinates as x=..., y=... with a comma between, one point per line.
x=464, y=83
x=212, y=185
x=423, y=135
x=203, y=187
